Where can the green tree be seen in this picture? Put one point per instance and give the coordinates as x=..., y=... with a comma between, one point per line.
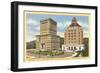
x=85, y=52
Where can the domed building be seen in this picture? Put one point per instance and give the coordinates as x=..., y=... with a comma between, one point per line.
x=73, y=37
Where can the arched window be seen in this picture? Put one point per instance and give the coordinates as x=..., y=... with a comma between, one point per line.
x=42, y=45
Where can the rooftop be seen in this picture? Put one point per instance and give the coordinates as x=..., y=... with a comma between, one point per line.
x=48, y=19
x=48, y=35
x=74, y=22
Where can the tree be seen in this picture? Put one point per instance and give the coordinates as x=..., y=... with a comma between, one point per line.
x=85, y=52
x=31, y=44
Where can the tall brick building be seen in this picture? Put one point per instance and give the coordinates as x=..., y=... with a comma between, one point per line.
x=73, y=37
x=48, y=38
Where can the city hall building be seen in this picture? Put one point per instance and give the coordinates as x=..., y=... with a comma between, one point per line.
x=73, y=37
x=48, y=38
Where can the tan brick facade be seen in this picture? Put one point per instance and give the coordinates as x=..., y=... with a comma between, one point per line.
x=73, y=36
x=48, y=38
x=48, y=26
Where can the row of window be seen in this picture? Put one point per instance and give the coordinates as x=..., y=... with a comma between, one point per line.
x=72, y=39
x=74, y=42
x=70, y=33
x=72, y=36
x=73, y=48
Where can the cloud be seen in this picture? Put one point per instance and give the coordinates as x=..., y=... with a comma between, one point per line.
x=31, y=35
x=33, y=28
x=84, y=26
x=32, y=25
x=31, y=21
x=61, y=34
x=86, y=34
x=30, y=38
x=62, y=26
x=67, y=24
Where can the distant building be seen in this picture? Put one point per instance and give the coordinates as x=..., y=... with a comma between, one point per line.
x=48, y=38
x=73, y=37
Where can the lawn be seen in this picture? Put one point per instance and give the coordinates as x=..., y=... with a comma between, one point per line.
x=48, y=52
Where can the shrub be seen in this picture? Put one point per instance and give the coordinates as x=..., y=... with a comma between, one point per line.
x=48, y=52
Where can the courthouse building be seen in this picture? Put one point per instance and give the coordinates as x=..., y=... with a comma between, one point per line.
x=48, y=38
x=73, y=37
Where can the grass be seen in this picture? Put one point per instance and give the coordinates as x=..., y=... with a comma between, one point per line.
x=48, y=52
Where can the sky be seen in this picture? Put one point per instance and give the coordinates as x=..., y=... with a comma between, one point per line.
x=63, y=21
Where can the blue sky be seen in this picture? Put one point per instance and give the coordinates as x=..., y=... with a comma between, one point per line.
x=63, y=21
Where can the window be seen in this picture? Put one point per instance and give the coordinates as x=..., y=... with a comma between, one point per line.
x=74, y=48
x=74, y=31
x=68, y=34
x=42, y=45
x=74, y=35
x=69, y=42
x=69, y=48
